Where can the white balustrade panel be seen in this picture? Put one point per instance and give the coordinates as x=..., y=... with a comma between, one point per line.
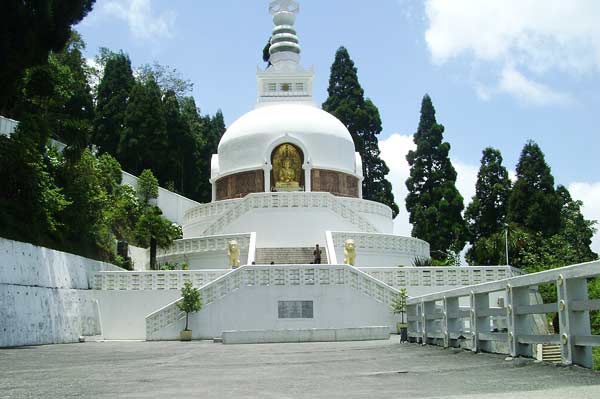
x=348, y=210
x=402, y=277
x=281, y=276
x=204, y=244
x=154, y=280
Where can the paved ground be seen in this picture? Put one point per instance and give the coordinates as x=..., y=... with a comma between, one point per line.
x=376, y=369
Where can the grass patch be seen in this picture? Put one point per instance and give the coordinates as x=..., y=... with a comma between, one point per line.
x=596, y=358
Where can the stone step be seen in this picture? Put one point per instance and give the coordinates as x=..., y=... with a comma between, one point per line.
x=288, y=256
x=551, y=353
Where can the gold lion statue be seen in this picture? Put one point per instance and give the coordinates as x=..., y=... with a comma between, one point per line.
x=349, y=252
x=233, y=252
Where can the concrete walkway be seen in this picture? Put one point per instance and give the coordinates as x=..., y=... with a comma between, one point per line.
x=375, y=369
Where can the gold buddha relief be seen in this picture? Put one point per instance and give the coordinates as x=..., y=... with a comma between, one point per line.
x=287, y=168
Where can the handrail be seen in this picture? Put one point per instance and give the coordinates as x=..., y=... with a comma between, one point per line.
x=275, y=275
x=285, y=200
x=438, y=318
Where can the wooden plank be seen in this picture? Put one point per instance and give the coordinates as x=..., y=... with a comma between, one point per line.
x=538, y=309
x=591, y=304
x=587, y=340
x=539, y=339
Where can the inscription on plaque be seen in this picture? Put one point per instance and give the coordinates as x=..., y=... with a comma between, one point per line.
x=295, y=309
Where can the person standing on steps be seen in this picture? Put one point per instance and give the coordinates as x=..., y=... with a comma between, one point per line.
x=317, y=255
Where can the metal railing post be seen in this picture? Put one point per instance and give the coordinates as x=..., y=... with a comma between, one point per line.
x=573, y=323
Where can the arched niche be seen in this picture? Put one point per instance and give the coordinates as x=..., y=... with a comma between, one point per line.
x=287, y=173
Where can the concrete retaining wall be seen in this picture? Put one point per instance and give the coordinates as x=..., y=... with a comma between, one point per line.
x=309, y=335
x=45, y=295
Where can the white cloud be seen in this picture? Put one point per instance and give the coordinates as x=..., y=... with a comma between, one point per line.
x=532, y=36
x=513, y=82
x=589, y=193
x=395, y=148
x=143, y=22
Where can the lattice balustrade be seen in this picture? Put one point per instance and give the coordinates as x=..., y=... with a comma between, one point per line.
x=277, y=276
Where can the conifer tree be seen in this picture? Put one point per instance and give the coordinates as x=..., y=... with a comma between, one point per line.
x=113, y=96
x=346, y=101
x=434, y=203
x=181, y=144
x=143, y=143
x=486, y=214
x=533, y=202
x=576, y=230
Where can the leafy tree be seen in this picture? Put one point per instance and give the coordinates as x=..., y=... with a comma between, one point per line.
x=533, y=203
x=434, y=203
x=29, y=31
x=112, y=99
x=191, y=301
x=30, y=200
x=346, y=101
x=486, y=214
x=576, y=230
x=147, y=186
x=266, y=55
x=167, y=78
x=145, y=136
x=196, y=161
x=154, y=231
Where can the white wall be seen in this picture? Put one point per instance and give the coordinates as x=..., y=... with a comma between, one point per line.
x=173, y=205
x=289, y=227
x=44, y=295
x=256, y=308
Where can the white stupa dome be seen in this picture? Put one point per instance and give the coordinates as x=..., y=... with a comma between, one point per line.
x=324, y=140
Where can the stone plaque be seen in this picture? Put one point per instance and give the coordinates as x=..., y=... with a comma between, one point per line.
x=295, y=309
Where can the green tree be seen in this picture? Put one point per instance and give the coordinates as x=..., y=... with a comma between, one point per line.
x=434, y=203
x=533, y=203
x=30, y=30
x=486, y=214
x=196, y=161
x=346, y=101
x=191, y=301
x=145, y=136
x=167, y=78
x=112, y=99
x=155, y=231
x=147, y=186
x=576, y=230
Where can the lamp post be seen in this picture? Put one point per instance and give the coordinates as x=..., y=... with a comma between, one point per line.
x=506, y=242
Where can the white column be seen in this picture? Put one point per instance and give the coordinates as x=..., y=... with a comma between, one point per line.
x=267, y=177
x=213, y=184
x=307, y=175
x=360, y=181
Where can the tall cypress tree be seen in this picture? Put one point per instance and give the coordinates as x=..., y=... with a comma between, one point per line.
x=533, y=203
x=181, y=144
x=434, y=203
x=346, y=101
x=145, y=136
x=486, y=214
x=113, y=95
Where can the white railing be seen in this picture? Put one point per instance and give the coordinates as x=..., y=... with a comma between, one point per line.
x=366, y=206
x=289, y=200
x=204, y=244
x=154, y=280
x=275, y=276
x=208, y=211
x=401, y=277
x=438, y=318
x=413, y=247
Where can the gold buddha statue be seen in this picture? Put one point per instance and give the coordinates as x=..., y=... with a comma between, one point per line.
x=287, y=168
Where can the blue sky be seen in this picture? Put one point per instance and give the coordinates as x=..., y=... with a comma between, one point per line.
x=499, y=72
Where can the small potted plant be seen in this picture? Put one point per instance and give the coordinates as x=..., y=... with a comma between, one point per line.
x=399, y=307
x=191, y=302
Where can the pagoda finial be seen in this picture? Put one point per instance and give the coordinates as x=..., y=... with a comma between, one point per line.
x=278, y=6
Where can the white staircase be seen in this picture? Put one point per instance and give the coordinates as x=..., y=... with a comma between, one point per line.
x=288, y=256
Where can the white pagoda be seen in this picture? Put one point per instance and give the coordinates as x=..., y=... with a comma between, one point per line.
x=286, y=178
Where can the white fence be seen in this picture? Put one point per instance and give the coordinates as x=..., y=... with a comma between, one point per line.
x=438, y=318
x=154, y=280
x=288, y=275
x=7, y=126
